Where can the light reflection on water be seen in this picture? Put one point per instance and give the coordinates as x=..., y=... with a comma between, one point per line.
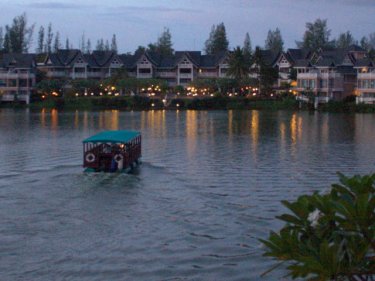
x=209, y=188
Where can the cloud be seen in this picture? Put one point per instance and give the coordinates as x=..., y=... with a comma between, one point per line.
x=162, y=9
x=57, y=6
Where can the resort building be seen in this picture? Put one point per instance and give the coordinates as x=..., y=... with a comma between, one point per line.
x=322, y=75
x=328, y=74
x=180, y=69
x=286, y=62
x=365, y=88
x=17, y=77
x=72, y=64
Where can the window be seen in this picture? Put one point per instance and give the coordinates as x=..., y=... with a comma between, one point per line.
x=144, y=70
x=23, y=82
x=185, y=70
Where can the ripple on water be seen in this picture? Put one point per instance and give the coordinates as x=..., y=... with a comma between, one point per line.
x=209, y=187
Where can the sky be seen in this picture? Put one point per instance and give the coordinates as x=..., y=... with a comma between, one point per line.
x=140, y=22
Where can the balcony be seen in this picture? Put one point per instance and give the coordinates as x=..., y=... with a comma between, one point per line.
x=310, y=75
x=330, y=75
x=167, y=74
x=322, y=99
x=207, y=74
x=370, y=75
x=55, y=74
x=186, y=75
x=367, y=100
x=144, y=75
x=366, y=90
x=79, y=75
x=12, y=97
x=95, y=75
x=11, y=75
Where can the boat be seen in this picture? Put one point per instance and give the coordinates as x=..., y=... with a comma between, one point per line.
x=112, y=151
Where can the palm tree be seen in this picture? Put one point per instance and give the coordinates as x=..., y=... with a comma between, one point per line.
x=239, y=66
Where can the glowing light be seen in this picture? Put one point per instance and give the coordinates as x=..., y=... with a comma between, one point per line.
x=178, y=105
x=77, y=94
x=152, y=104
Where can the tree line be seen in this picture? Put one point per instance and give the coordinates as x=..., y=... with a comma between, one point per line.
x=18, y=38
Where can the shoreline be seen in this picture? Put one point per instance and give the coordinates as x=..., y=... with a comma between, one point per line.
x=127, y=103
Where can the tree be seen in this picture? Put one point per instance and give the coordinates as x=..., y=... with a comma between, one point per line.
x=329, y=236
x=368, y=43
x=316, y=35
x=48, y=45
x=217, y=41
x=140, y=50
x=57, y=44
x=67, y=45
x=239, y=68
x=82, y=43
x=210, y=41
x=274, y=41
x=247, y=48
x=164, y=43
x=365, y=43
x=152, y=48
x=88, y=46
x=1, y=39
x=345, y=40
x=106, y=46
x=7, y=47
x=40, y=42
x=266, y=74
x=19, y=35
x=114, y=44
x=100, y=45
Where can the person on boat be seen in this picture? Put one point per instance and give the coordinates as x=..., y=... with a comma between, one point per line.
x=113, y=166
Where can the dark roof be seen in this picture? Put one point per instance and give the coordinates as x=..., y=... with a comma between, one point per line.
x=302, y=63
x=366, y=62
x=18, y=60
x=355, y=48
x=269, y=57
x=193, y=56
x=293, y=55
x=91, y=61
x=66, y=57
x=103, y=58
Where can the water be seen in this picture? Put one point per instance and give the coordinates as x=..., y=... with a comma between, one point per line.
x=210, y=186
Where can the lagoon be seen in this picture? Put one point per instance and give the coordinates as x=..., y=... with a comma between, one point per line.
x=209, y=187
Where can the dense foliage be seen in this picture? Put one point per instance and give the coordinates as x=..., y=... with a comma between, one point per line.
x=329, y=236
x=274, y=41
x=217, y=40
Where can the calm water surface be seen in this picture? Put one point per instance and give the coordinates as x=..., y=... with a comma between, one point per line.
x=209, y=188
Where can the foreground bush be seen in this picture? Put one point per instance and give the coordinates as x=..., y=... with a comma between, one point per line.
x=330, y=236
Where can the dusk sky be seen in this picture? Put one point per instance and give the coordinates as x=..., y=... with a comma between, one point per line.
x=139, y=22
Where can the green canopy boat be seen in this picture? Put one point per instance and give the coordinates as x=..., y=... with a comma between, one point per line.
x=112, y=151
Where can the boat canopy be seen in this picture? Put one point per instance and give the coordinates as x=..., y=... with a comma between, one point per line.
x=113, y=137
